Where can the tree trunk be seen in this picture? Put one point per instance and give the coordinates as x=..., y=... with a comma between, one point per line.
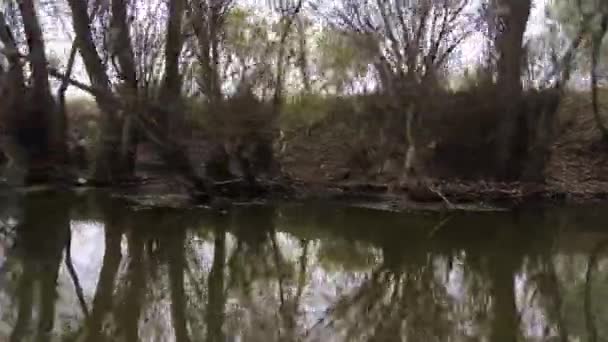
x=127, y=73
x=81, y=23
x=12, y=91
x=14, y=76
x=217, y=298
x=504, y=258
x=57, y=226
x=204, y=20
x=42, y=261
x=177, y=265
x=25, y=302
x=109, y=166
x=598, y=37
x=103, y=299
x=171, y=87
x=41, y=132
x=135, y=292
x=509, y=43
x=172, y=153
x=303, y=58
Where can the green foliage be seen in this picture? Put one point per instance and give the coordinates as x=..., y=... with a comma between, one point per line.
x=347, y=256
x=250, y=48
x=573, y=287
x=83, y=115
x=304, y=110
x=196, y=112
x=574, y=17
x=340, y=58
x=246, y=33
x=471, y=79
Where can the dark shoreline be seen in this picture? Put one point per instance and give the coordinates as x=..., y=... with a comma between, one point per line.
x=446, y=196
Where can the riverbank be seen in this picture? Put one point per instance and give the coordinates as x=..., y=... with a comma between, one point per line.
x=445, y=196
x=329, y=159
x=479, y=196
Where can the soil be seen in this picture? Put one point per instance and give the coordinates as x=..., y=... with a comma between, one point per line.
x=576, y=171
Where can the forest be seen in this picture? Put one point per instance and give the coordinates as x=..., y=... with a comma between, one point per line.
x=303, y=170
x=448, y=100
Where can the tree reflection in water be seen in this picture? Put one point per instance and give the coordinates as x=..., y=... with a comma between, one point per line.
x=43, y=215
x=297, y=273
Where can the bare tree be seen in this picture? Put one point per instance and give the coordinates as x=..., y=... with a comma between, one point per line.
x=123, y=50
x=207, y=20
x=410, y=40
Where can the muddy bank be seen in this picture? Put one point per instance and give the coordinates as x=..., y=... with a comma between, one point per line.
x=441, y=196
x=166, y=190
x=459, y=196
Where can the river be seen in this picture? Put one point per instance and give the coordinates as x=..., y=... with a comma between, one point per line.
x=93, y=267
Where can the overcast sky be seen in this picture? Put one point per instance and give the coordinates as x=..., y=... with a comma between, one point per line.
x=59, y=41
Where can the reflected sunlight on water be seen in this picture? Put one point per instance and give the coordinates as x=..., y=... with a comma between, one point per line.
x=88, y=246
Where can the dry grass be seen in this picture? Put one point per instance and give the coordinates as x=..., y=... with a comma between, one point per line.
x=575, y=117
x=579, y=158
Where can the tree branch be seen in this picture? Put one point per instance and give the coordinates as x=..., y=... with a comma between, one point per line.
x=170, y=150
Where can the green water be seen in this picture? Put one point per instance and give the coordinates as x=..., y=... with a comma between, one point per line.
x=92, y=268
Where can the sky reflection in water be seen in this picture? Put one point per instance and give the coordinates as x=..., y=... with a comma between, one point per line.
x=298, y=272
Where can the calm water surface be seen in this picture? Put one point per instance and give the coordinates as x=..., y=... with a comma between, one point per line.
x=92, y=268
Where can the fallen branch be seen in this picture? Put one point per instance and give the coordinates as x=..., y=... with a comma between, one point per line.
x=437, y=192
x=440, y=225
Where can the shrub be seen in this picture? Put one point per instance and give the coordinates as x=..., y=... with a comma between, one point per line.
x=304, y=111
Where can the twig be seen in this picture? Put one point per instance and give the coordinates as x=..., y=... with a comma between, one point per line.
x=445, y=199
x=440, y=225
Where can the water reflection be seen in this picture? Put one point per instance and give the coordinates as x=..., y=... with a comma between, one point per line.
x=89, y=268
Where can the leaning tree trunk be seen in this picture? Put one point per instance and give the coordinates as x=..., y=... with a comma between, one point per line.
x=110, y=105
x=109, y=166
x=509, y=43
x=126, y=61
